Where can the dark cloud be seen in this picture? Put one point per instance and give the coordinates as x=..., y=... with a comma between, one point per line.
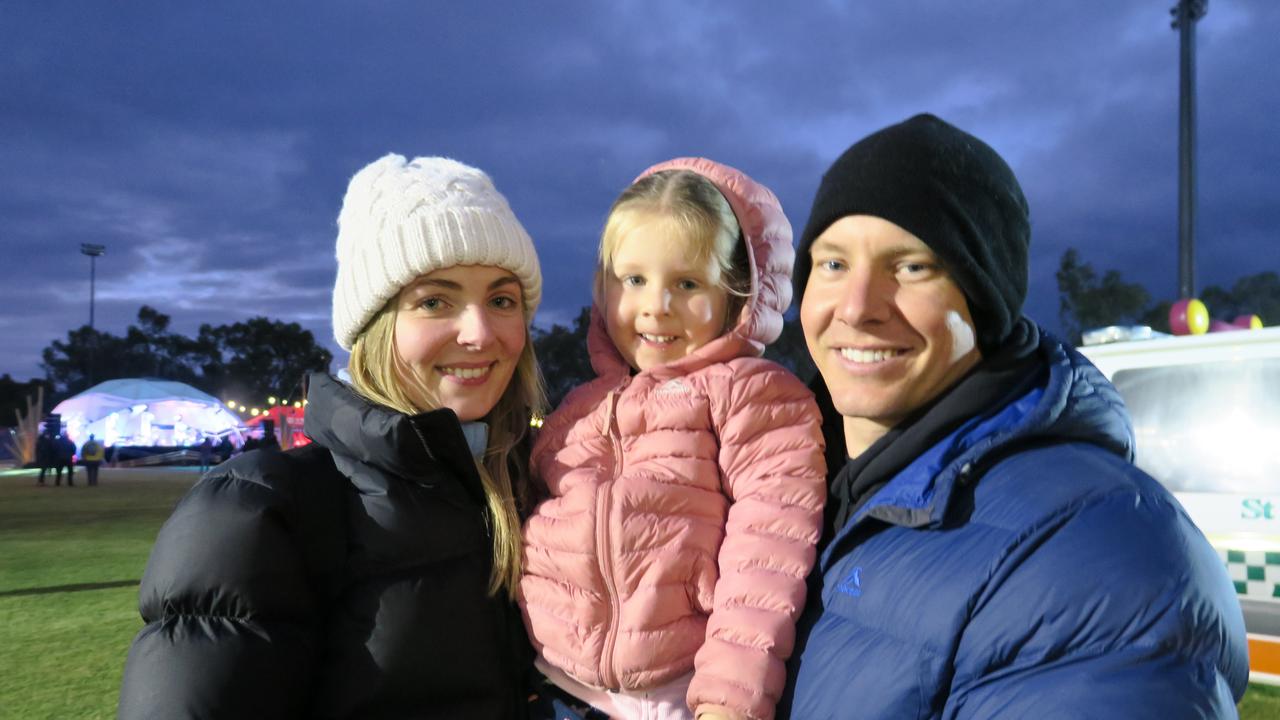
x=209, y=146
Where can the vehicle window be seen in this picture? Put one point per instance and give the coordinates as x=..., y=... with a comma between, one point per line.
x=1213, y=427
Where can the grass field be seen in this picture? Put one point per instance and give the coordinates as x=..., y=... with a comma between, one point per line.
x=70, y=560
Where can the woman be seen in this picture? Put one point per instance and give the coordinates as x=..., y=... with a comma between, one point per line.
x=371, y=574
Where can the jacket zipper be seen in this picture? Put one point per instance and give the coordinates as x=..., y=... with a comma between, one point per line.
x=608, y=675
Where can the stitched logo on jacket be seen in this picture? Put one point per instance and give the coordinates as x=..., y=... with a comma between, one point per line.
x=852, y=583
x=673, y=387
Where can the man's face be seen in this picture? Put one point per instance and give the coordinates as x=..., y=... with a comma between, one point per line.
x=886, y=325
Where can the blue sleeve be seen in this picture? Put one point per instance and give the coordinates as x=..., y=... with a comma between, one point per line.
x=1117, y=607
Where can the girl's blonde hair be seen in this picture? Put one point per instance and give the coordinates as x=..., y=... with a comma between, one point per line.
x=693, y=206
x=380, y=375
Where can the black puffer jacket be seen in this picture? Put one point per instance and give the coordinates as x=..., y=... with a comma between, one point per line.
x=346, y=579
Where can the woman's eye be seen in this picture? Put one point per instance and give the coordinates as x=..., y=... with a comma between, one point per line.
x=831, y=265
x=505, y=302
x=432, y=303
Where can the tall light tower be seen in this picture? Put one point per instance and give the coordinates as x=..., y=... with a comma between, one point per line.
x=1185, y=14
x=94, y=252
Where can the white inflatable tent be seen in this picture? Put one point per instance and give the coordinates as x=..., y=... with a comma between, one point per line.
x=134, y=411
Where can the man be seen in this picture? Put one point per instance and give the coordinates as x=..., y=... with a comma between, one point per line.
x=91, y=456
x=64, y=456
x=46, y=455
x=990, y=549
x=205, y=448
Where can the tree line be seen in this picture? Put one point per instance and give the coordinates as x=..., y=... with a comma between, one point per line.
x=260, y=357
x=248, y=360
x=1087, y=299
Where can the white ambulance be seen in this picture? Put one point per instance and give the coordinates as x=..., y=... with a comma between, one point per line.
x=1206, y=414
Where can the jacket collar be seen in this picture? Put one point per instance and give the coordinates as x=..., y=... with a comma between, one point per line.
x=413, y=447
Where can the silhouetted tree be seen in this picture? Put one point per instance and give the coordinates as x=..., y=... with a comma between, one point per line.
x=1250, y=295
x=257, y=358
x=1085, y=301
x=250, y=360
x=67, y=363
x=164, y=354
x=562, y=354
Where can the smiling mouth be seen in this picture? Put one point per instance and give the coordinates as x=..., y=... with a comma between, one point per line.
x=658, y=339
x=466, y=373
x=869, y=357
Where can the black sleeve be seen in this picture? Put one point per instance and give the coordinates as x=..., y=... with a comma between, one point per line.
x=233, y=615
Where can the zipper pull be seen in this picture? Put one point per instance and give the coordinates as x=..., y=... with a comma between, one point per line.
x=608, y=413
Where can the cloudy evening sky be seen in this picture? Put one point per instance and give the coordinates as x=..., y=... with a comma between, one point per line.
x=208, y=146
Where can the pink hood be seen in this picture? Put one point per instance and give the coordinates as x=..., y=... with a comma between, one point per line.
x=767, y=233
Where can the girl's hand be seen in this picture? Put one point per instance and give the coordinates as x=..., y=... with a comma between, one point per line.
x=714, y=712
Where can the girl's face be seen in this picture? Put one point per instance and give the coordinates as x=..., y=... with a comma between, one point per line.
x=460, y=331
x=659, y=304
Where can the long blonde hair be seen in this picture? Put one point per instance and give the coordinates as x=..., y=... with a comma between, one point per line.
x=378, y=373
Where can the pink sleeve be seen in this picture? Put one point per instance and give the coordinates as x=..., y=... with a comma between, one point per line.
x=771, y=460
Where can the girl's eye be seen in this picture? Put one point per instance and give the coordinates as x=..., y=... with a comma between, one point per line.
x=632, y=280
x=688, y=285
x=432, y=303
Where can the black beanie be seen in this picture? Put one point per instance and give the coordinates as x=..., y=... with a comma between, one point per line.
x=952, y=191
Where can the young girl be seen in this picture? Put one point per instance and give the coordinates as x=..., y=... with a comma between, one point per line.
x=686, y=481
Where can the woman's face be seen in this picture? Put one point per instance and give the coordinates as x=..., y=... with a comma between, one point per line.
x=460, y=330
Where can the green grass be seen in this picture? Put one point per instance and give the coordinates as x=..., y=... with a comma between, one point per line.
x=62, y=647
x=1261, y=702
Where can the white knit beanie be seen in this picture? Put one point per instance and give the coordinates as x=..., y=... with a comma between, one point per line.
x=401, y=219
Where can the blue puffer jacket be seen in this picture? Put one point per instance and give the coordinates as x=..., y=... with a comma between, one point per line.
x=1022, y=568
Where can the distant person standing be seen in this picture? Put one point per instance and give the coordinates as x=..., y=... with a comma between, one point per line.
x=45, y=452
x=91, y=456
x=64, y=456
x=206, y=453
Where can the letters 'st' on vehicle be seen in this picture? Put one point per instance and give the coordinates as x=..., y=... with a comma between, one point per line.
x=1206, y=416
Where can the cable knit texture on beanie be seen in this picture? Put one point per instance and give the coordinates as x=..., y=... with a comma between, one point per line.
x=402, y=219
x=952, y=191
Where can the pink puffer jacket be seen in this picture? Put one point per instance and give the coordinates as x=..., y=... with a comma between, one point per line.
x=685, y=501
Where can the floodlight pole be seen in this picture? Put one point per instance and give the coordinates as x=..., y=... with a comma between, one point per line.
x=94, y=252
x=1185, y=14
